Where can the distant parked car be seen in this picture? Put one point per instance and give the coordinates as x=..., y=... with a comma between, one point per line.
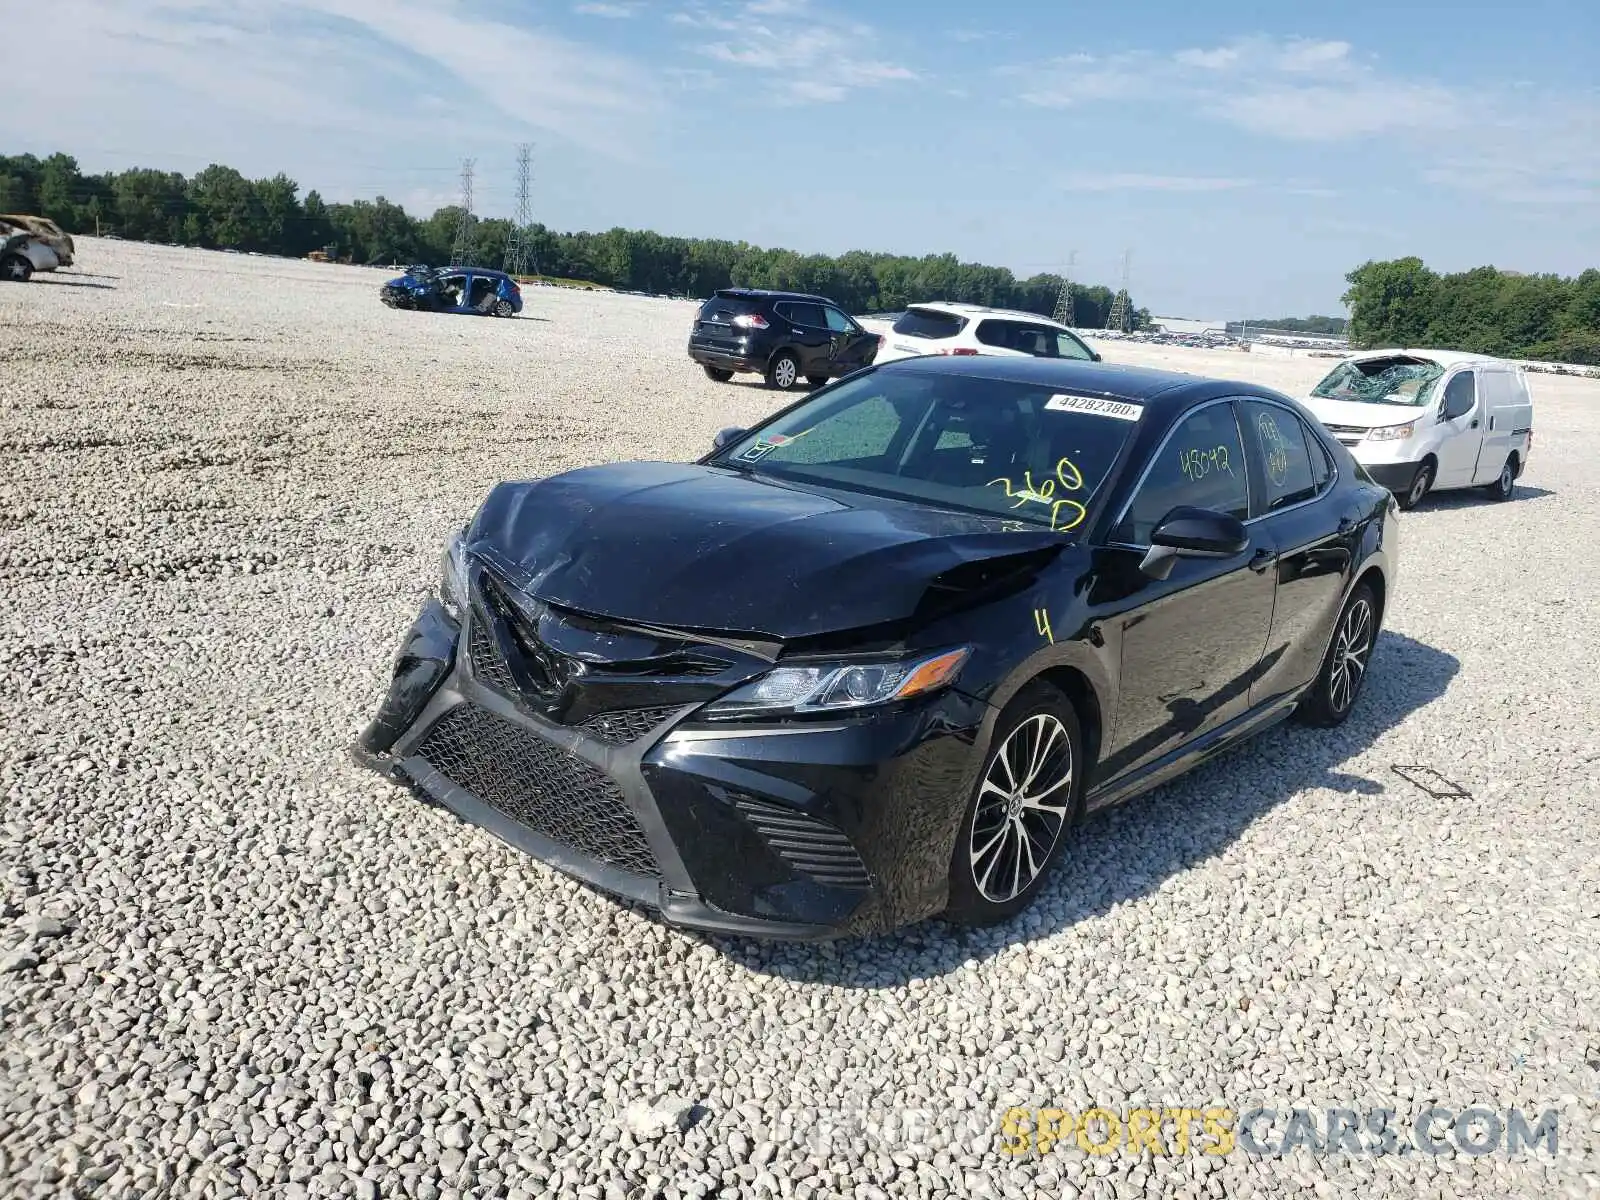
x=971, y=329
x=21, y=254
x=473, y=290
x=1430, y=420
x=778, y=335
x=44, y=231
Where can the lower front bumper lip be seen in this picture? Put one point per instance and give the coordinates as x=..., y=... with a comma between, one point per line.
x=679, y=908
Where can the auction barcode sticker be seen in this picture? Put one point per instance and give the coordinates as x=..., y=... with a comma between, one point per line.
x=1120, y=409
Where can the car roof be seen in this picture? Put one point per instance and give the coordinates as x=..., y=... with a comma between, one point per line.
x=1445, y=358
x=961, y=308
x=768, y=294
x=1160, y=390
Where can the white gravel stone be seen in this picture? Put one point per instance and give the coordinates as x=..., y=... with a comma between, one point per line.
x=234, y=963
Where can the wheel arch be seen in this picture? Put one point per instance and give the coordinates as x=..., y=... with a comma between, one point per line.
x=1373, y=574
x=1086, y=700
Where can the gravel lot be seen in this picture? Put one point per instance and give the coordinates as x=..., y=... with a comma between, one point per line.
x=233, y=963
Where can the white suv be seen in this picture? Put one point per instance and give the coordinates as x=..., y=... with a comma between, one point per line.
x=948, y=328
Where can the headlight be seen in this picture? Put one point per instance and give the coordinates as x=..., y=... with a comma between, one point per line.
x=453, y=577
x=1390, y=433
x=836, y=686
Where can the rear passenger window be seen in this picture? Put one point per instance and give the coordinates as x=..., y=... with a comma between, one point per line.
x=1281, y=442
x=1000, y=334
x=1202, y=464
x=1321, y=464
x=803, y=314
x=925, y=323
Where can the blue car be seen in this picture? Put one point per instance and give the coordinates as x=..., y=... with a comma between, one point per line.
x=473, y=290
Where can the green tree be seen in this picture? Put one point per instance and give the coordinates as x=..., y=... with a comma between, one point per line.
x=1391, y=303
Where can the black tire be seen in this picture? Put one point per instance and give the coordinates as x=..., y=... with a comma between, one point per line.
x=16, y=268
x=816, y=381
x=1421, y=484
x=1327, y=703
x=1505, y=486
x=783, y=370
x=502, y=308
x=995, y=826
x=717, y=373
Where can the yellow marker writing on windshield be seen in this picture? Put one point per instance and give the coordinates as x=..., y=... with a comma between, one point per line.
x=1070, y=479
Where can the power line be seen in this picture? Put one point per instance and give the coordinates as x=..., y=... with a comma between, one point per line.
x=462, y=250
x=519, y=245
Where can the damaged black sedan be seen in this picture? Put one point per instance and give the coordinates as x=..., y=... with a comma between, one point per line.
x=870, y=661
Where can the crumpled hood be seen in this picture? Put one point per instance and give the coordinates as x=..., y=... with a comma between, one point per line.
x=695, y=547
x=1361, y=414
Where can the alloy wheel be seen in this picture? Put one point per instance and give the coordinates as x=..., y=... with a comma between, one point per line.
x=1022, y=807
x=1351, y=649
x=785, y=372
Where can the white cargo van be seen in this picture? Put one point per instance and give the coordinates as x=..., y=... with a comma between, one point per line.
x=1430, y=420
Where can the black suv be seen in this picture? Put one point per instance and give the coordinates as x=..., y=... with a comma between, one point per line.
x=779, y=335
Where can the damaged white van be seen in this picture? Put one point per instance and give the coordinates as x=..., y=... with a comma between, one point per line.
x=1430, y=420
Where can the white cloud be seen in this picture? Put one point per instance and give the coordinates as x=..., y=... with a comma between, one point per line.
x=612, y=11
x=295, y=78
x=1297, y=89
x=1151, y=183
x=818, y=58
x=1337, y=113
x=1504, y=140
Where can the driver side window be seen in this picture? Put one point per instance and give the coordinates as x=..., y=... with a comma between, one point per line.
x=1460, y=394
x=838, y=322
x=1202, y=464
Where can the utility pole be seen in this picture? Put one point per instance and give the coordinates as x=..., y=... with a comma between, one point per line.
x=462, y=250
x=1066, y=308
x=519, y=244
x=1120, y=317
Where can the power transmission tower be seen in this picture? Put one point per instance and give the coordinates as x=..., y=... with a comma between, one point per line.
x=462, y=250
x=1120, y=317
x=519, y=243
x=1066, y=308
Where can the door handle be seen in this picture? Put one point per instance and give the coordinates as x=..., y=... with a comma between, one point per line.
x=1262, y=560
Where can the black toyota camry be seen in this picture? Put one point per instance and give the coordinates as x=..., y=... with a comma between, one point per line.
x=871, y=660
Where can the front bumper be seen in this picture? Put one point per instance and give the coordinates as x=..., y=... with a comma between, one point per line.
x=1395, y=476
x=788, y=831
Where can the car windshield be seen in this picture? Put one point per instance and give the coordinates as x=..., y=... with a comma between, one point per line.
x=1023, y=451
x=1399, y=380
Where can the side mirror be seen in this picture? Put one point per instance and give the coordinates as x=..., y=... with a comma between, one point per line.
x=1189, y=532
x=1094, y=356
x=726, y=436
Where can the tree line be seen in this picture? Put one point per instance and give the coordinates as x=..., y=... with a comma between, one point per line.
x=219, y=208
x=1315, y=326
x=1401, y=302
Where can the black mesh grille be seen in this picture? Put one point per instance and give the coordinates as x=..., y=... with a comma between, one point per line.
x=814, y=848
x=488, y=668
x=539, y=785
x=624, y=725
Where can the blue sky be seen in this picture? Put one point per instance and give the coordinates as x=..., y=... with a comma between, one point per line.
x=1247, y=155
